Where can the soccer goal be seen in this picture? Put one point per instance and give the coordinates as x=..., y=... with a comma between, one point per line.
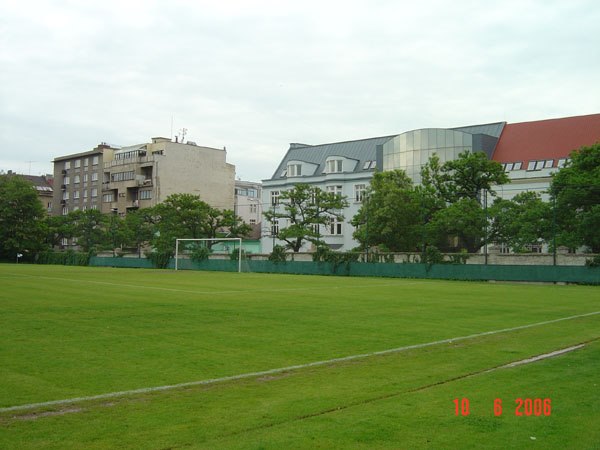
x=180, y=249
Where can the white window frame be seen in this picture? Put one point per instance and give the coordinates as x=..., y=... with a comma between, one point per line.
x=359, y=192
x=335, y=227
x=334, y=166
x=294, y=170
x=338, y=189
x=275, y=197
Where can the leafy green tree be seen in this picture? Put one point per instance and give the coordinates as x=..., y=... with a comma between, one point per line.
x=224, y=223
x=21, y=218
x=57, y=228
x=305, y=208
x=89, y=229
x=139, y=228
x=116, y=232
x=461, y=225
x=392, y=215
x=575, y=191
x=465, y=177
x=524, y=220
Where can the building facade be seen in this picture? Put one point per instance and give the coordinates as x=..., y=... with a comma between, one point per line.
x=78, y=180
x=343, y=168
x=144, y=175
x=248, y=205
x=529, y=152
x=122, y=179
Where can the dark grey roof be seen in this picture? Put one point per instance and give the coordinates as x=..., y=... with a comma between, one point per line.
x=361, y=150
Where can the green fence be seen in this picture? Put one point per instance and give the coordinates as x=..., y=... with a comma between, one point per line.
x=567, y=274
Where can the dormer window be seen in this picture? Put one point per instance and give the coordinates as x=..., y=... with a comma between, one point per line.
x=334, y=166
x=294, y=170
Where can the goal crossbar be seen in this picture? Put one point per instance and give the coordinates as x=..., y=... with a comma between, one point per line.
x=239, y=240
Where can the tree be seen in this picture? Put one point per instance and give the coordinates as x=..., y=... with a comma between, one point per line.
x=460, y=225
x=21, y=218
x=524, y=220
x=305, y=208
x=465, y=177
x=456, y=189
x=140, y=228
x=89, y=229
x=116, y=232
x=226, y=223
x=392, y=214
x=575, y=191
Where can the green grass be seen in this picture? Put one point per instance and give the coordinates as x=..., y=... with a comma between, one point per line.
x=69, y=332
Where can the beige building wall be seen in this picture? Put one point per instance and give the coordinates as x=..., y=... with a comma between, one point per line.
x=144, y=175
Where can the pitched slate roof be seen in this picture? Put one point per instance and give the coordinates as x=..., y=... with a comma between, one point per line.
x=546, y=139
x=361, y=150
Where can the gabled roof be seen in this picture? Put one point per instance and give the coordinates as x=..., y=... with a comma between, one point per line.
x=361, y=150
x=546, y=139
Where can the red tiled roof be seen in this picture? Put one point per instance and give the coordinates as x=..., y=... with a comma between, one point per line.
x=546, y=139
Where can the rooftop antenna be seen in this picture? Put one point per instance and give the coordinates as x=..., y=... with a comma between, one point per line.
x=30, y=166
x=182, y=133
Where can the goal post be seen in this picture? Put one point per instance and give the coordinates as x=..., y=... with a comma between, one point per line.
x=238, y=240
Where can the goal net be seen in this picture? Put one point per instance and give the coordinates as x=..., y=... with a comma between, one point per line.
x=186, y=248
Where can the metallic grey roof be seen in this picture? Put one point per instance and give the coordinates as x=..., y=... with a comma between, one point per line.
x=361, y=150
x=491, y=129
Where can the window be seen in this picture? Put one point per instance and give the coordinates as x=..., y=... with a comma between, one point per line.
x=86, y=162
x=531, y=165
x=145, y=194
x=359, y=192
x=539, y=165
x=274, y=198
x=76, y=195
x=253, y=208
x=107, y=198
x=76, y=179
x=94, y=193
x=518, y=166
x=252, y=221
x=274, y=227
x=94, y=176
x=85, y=177
x=85, y=192
x=561, y=163
x=549, y=163
x=121, y=176
x=337, y=190
x=373, y=164
x=334, y=166
x=366, y=165
x=65, y=210
x=67, y=165
x=335, y=226
x=66, y=180
x=65, y=195
x=294, y=170
x=95, y=161
x=77, y=163
x=508, y=167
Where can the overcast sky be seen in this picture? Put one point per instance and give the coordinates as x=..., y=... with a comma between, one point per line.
x=254, y=76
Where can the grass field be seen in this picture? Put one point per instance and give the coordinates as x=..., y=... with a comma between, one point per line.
x=72, y=332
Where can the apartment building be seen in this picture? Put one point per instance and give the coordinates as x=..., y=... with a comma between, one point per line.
x=121, y=179
x=43, y=187
x=78, y=180
x=144, y=175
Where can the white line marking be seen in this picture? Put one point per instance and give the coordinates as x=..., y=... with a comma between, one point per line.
x=240, y=291
x=283, y=369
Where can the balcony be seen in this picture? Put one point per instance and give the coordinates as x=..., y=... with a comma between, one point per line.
x=136, y=161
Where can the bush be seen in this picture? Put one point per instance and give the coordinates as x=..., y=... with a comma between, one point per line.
x=593, y=262
x=160, y=260
x=433, y=255
x=234, y=255
x=67, y=258
x=200, y=253
x=278, y=254
x=459, y=258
